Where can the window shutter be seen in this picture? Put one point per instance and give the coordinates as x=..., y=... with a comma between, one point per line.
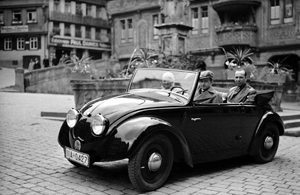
x=1, y=44
x=14, y=43
x=39, y=42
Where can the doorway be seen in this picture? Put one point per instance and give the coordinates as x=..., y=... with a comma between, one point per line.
x=26, y=60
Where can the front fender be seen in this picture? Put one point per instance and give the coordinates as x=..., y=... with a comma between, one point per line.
x=268, y=117
x=63, y=135
x=134, y=131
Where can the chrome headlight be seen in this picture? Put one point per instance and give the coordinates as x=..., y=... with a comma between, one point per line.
x=98, y=124
x=72, y=117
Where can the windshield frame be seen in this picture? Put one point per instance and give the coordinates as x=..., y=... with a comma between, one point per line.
x=192, y=89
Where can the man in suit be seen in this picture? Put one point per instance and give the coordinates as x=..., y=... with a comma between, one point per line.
x=205, y=92
x=243, y=92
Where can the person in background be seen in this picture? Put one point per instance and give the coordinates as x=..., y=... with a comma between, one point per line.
x=168, y=80
x=37, y=64
x=205, y=92
x=46, y=62
x=200, y=66
x=31, y=64
x=243, y=92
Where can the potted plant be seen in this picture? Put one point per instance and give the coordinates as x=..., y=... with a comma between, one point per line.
x=81, y=68
x=275, y=73
x=240, y=58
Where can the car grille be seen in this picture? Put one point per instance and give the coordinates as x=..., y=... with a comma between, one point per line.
x=82, y=129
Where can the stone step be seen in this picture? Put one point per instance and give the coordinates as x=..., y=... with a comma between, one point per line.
x=291, y=123
x=290, y=117
x=295, y=132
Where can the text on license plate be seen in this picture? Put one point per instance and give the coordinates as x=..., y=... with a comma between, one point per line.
x=79, y=157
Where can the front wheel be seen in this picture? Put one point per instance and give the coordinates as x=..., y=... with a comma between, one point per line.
x=150, y=167
x=268, y=143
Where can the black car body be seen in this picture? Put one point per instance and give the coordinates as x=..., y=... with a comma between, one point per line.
x=154, y=127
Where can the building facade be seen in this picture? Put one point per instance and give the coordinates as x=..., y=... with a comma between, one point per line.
x=53, y=29
x=208, y=28
x=23, y=31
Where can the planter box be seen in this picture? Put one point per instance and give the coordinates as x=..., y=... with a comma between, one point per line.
x=275, y=78
x=87, y=90
x=79, y=76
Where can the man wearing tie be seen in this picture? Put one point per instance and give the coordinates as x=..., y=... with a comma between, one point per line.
x=243, y=92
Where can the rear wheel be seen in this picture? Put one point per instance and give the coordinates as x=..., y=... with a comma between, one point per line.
x=150, y=167
x=268, y=144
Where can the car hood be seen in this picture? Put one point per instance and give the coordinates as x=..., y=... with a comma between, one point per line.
x=114, y=107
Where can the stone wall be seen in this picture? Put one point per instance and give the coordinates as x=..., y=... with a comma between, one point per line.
x=55, y=80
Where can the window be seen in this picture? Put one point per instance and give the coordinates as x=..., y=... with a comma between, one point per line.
x=123, y=31
x=98, y=12
x=7, y=44
x=195, y=20
x=67, y=30
x=204, y=19
x=1, y=17
x=288, y=11
x=67, y=6
x=130, y=30
x=162, y=16
x=20, y=43
x=275, y=12
x=31, y=16
x=77, y=31
x=17, y=17
x=56, y=29
x=155, y=30
x=89, y=10
x=98, y=34
x=88, y=32
x=33, y=43
x=56, y=5
x=78, y=9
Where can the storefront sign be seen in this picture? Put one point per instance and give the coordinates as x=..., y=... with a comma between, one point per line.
x=77, y=42
x=10, y=29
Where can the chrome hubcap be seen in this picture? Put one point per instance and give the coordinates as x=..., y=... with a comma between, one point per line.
x=154, y=161
x=268, y=142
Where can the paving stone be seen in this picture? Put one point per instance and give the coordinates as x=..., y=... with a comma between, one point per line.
x=32, y=162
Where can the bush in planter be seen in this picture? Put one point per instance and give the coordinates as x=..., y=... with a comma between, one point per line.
x=240, y=58
x=143, y=57
x=275, y=73
x=81, y=68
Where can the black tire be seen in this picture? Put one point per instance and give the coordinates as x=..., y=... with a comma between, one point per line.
x=141, y=174
x=268, y=142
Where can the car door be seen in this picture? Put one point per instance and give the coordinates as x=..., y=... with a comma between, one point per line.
x=212, y=131
x=249, y=121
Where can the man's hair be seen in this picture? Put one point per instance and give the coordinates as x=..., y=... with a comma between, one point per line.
x=245, y=72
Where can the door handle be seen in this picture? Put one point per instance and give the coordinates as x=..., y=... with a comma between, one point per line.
x=196, y=119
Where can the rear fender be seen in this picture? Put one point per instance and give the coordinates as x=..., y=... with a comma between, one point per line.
x=136, y=130
x=268, y=117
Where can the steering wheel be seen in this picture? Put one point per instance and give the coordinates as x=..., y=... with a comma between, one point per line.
x=178, y=90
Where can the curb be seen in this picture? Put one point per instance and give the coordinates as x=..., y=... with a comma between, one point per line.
x=292, y=133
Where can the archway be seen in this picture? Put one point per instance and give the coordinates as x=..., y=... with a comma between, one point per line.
x=290, y=61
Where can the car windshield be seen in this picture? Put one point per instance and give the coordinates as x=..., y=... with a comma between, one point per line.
x=176, y=81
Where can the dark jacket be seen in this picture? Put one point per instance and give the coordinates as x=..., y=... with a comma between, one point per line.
x=208, y=96
x=244, y=94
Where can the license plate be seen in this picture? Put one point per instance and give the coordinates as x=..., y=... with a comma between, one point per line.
x=78, y=157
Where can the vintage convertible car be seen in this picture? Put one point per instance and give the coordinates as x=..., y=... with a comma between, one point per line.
x=154, y=127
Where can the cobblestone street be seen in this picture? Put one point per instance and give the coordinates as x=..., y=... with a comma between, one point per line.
x=32, y=162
